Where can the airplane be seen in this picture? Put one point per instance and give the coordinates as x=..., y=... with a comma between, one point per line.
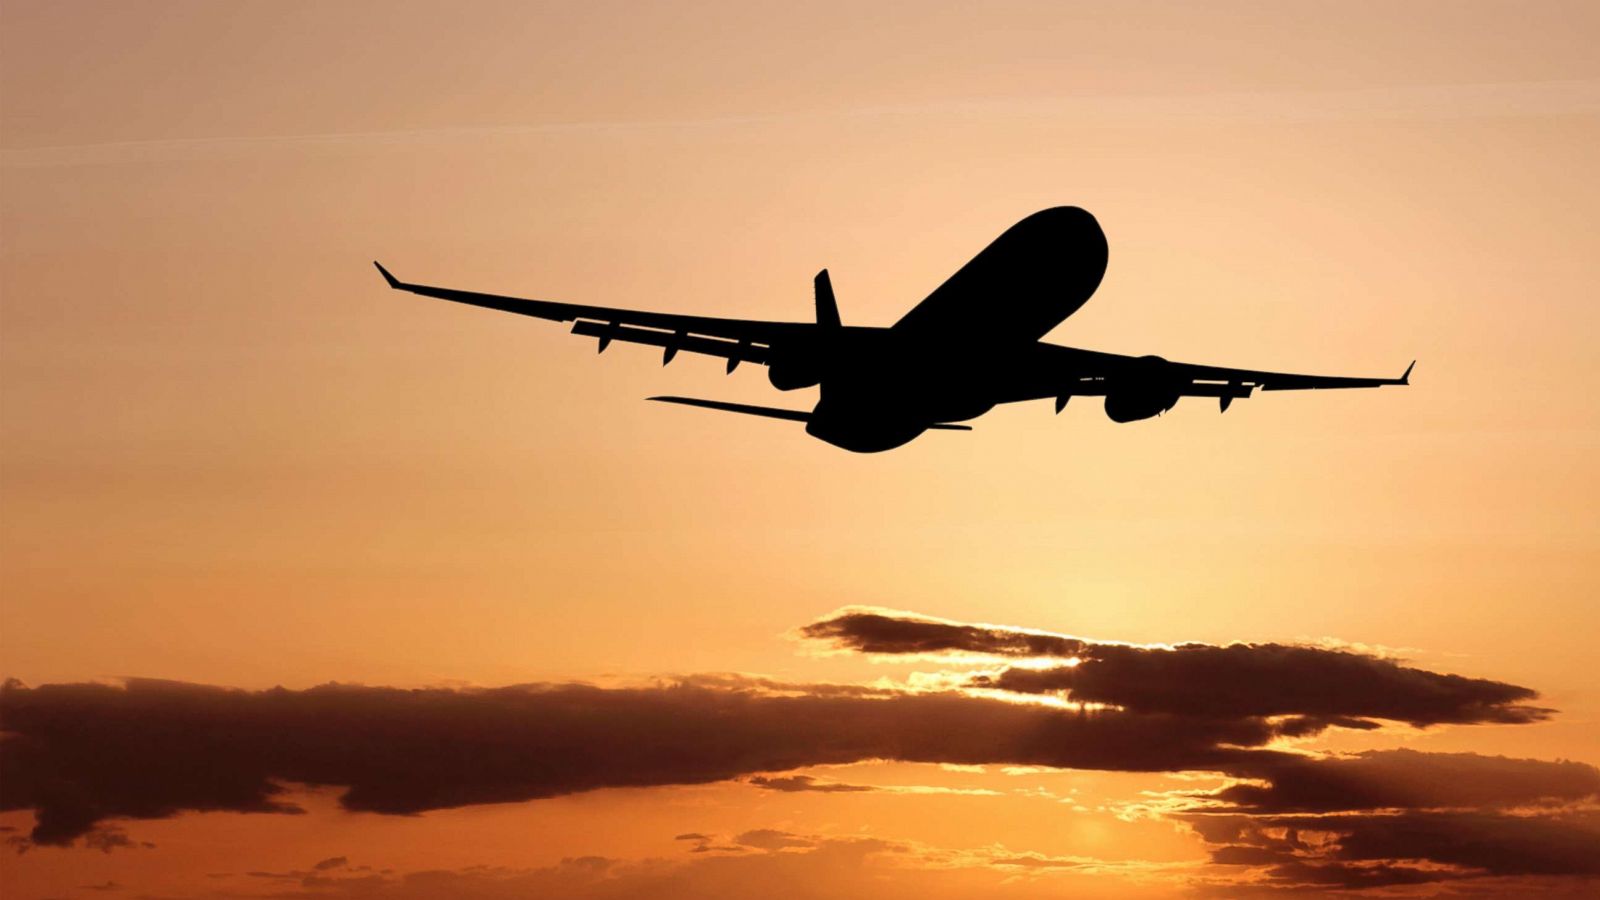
x=970, y=345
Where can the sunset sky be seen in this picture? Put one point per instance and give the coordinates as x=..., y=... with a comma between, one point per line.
x=274, y=537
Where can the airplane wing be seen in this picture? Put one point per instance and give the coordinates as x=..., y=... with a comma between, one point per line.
x=1056, y=371
x=736, y=340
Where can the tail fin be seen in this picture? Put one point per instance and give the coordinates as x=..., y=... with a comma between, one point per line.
x=827, y=307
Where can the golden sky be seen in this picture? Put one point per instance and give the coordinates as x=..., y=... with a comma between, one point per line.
x=231, y=457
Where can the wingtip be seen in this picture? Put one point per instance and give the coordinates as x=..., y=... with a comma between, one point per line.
x=393, y=281
x=1406, y=377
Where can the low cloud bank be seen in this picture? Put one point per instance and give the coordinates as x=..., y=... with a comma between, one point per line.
x=81, y=756
x=81, y=753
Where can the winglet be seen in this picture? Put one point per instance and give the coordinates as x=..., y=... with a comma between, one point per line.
x=1406, y=378
x=393, y=281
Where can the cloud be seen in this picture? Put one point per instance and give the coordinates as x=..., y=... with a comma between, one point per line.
x=1496, y=854
x=1396, y=817
x=798, y=783
x=1495, y=843
x=78, y=754
x=794, y=784
x=1403, y=817
x=1273, y=679
x=890, y=632
x=1306, y=726
x=772, y=839
x=83, y=755
x=1322, y=685
x=332, y=862
x=1391, y=102
x=794, y=865
x=106, y=838
x=1409, y=779
x=1412, y=847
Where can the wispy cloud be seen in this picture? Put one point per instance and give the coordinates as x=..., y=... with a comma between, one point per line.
x=1393, y=102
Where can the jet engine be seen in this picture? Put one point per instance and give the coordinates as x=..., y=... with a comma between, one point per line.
x=790, y=373
x=1148, y=389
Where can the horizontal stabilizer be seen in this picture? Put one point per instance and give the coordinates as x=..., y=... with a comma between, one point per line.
x=793, y=415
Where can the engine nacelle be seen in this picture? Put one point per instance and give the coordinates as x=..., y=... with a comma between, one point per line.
x=1147, y=390
x=788, y=376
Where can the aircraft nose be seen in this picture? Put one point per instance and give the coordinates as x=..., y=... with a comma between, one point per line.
x=1064, y=215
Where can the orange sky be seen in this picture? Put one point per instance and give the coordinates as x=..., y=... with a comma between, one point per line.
x=230, y=456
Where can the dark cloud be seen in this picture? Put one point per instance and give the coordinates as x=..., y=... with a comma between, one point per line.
x=883, y=632
x=1372, y=819
x=798, y=783
x=106, y=838
x=1328, y=687
x=1302, y=876
x=1306, y=726
x=1495, y=843
x=705, y=843
x=1410, y=847
x=1383, y=818
x=81, y=753
x=1273, y=679
x=1408, y=779
x=1246, y=855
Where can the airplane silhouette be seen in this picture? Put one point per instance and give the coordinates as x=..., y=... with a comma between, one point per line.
x=972, y=344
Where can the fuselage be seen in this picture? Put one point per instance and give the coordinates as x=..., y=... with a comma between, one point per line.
x=946, y=359
x=882, y=389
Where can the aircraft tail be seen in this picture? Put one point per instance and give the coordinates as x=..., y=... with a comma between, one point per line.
x=827, y=307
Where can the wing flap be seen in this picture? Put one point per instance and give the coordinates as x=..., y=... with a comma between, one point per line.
x=673, y=341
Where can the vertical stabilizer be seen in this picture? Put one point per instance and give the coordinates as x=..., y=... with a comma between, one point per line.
x=827, y=307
